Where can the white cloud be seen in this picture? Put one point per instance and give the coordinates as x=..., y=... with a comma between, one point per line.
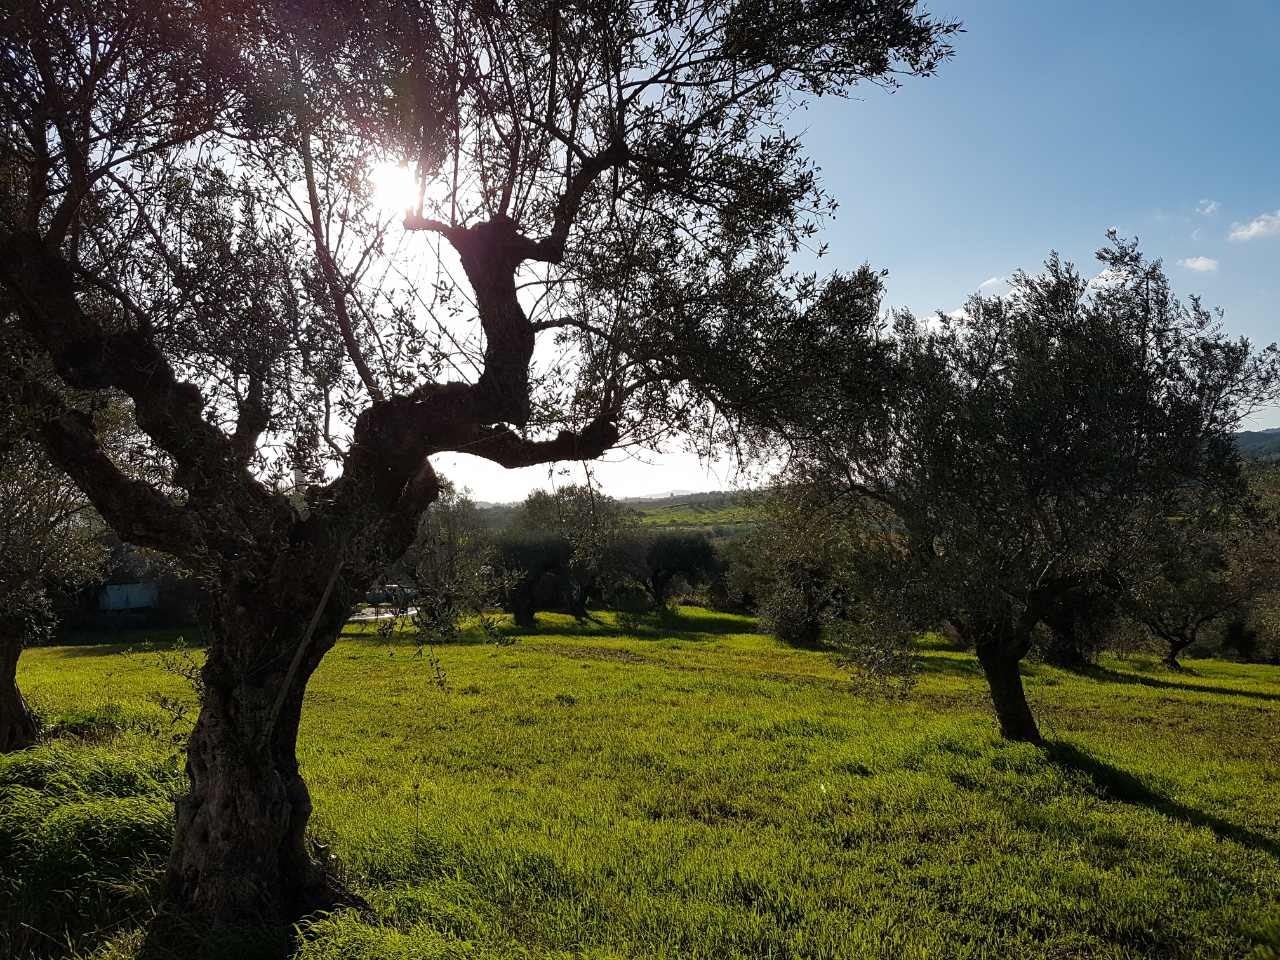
x=1195, y=234
x=1264, y=225
x=1199, y=264
x=1207, y=208
x=992, y=282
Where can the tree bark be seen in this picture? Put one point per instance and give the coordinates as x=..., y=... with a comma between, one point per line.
x=239, y=866
x=17, y=725
x=524, y=605
x=1000, y=665
x=658, y=584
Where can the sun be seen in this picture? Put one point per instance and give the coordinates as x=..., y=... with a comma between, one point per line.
x=394, y=187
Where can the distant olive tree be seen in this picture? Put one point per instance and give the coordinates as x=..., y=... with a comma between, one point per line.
x=49, y=540
x=827, y=568
x=534, y=568
x=1201, y=577
x=742, y=575
x=455, y=566
x=807, y=556
x=1030, y=445
x=596, y=528
x=663, y=557
x=1077, y=625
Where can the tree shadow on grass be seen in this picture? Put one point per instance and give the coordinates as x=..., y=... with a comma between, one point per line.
x=407, y=636
x=109, y=645
x=942, y=665
x=656, y=625
x=664, y=624
x=1109, y=675
x=666, y=621
x=1112, y=783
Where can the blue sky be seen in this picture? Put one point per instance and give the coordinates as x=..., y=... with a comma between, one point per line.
x=1053, y=122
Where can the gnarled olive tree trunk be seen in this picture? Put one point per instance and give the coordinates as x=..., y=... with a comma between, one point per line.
x=17, y=725
x=239, y=864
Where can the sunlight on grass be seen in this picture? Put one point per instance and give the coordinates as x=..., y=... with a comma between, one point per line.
x=696, y=789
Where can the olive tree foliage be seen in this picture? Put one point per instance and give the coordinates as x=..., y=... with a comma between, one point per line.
x=658, y=559
x=534, y=569
x=610, y=197
x=1078, y=625
x=1254, y=634
x=594, y=527
x=631, y=162
x=809, y=558
x=1200, y=576
x=834, y=573
x=1031, y=445
x=48, y=542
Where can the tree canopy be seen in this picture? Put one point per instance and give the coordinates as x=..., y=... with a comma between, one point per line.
x=1031, y=445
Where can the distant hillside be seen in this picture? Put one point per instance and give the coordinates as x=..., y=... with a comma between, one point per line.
x=1260, y=444
x=719, y=510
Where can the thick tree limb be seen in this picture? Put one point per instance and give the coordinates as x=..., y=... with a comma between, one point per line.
x=89, y=356
x=507, y=448
x=135, y=510
x=252, y=419
x=551, y=248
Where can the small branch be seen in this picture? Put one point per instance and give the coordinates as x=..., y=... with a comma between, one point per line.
x=337, y=289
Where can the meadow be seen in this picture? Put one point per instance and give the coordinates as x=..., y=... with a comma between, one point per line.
x=687, y=788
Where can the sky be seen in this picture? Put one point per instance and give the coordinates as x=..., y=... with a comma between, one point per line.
x=1052, y=123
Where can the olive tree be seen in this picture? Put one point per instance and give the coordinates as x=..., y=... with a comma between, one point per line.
x=1032, y=444
x=1078, y=623
x=662, y=557
x=808, y=556
x=1199, y=575
x=48, y=540
x=592, y=525
x=454, y=564
x=609, y=194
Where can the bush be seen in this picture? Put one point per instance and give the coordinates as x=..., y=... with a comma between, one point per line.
x=629, y=597
x=795, y=611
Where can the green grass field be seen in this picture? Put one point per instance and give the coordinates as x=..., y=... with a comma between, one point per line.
x=694, y=791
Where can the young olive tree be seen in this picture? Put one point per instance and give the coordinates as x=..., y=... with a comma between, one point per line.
x=454, y=564
x=611, y=196
x=809, y=557
x=1031, y=445
x=663, y=557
